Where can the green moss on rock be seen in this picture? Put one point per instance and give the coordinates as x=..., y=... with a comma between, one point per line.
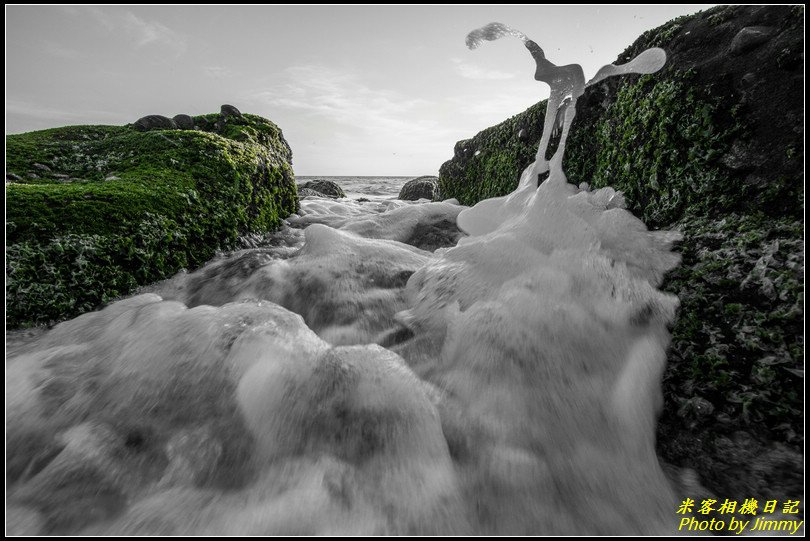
x=660, y=142
x=109, y=208
x=490, y=164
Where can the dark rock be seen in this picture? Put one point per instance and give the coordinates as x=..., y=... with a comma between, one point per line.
x=748, y=80
x=155, y=122
x=42, y=167
x=32, y=175
x=12, y=176
x=426, y=187
x=61, y=176
x=307, y=192
x=184, y=122
x=461, y=149
x=325, y=188
x=749, y=38
x=229, y=110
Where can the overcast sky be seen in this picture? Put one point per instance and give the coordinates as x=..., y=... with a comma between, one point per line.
x=357, y=90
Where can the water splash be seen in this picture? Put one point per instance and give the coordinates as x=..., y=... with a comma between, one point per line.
x=553, y=337
x=567, y=85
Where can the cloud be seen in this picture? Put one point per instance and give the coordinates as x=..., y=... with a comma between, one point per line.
x=217, y=72
x=140, y=32
x=472, y=71
x=60, y=51
x=342, y=125
x=342, y=97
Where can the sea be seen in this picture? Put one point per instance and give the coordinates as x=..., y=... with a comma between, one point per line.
x=369, y=187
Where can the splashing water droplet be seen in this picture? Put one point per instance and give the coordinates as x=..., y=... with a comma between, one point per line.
x=567, y=85
x=491, y=32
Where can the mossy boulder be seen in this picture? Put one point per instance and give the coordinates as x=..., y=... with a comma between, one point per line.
x=324, y=188
x=426, y=187
x=711, y=145
x=115, y=207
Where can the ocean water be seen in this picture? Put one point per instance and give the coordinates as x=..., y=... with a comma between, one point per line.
x=381, y=187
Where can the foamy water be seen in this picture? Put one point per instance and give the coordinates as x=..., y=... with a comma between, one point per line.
x=369, y=369
x=252, y=396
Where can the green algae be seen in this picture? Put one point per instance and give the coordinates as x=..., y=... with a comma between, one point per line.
x=110, y=208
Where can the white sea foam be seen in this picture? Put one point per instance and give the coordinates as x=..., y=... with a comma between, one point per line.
x=529, y=407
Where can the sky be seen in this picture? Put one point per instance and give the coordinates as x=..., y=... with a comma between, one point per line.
x=356, y=90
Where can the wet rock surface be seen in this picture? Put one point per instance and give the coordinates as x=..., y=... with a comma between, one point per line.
x=426, y=187
x=325, y=188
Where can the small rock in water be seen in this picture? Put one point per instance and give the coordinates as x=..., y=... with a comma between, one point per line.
x=229, y=110
x=184, y=122
x=324, y=188
x=155, y=122
x=426, y=187
x=308, y=192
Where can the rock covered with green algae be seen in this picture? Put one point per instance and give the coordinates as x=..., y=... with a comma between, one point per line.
x=711, y=145
x=95, y=211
